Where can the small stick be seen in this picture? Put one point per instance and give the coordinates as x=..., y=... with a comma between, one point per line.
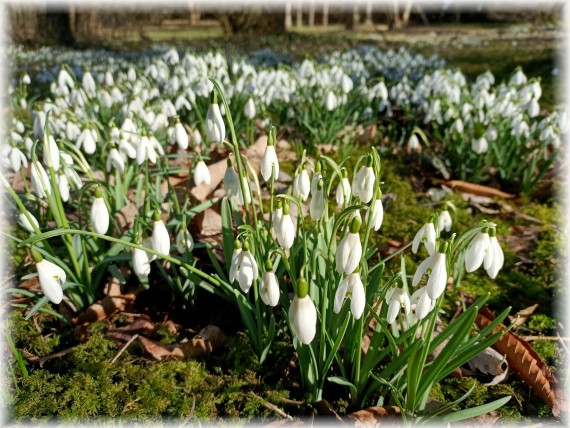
x=191, y=415
x=124, y=347
x=272, y=407
x=42, y=360
x=531, y=338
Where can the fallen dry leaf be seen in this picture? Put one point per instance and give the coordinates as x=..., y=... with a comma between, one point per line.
x=158, y=350
x=521, y=316
x=526, y=363
x=106, y=307
x=126, y=216
x=488, y=361
x=209, y=339
x=373, y=416
x=476, y=189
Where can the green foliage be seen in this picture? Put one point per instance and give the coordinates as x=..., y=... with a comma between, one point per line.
x=541, y=323
x=549, y=351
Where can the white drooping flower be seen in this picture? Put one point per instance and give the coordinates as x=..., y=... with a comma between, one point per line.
x=377, y=214
x=425, y=235
x=302, y=185
x=201, y=173
x=197, y=137
x=491, y=133
x=233, y=263
x=413, y=144
x=517, y=79
x=160, y=237
x=181, y=136
x=303, y=314
x=363, y=184
x=145, y=151
x=353, y=288
x=215, y=128
x=349, y=250
x=424, y=305
x=115, y=160
x=269, y=288
x=249, y=109
x=63, y=186
x=99, y=213
x=285, y=229
x=434, y=266
x=494, y=258
x=331, y=101
x=51, y=153
x=51, y=277
x=231, y=180
x=480, y=145
x=269, y=162
x=246, y=270
x=41, y=184
x=397, y=298
x=141, y=262
x=17, y=159
x=317, y=205
x=25, y=223
x=343, y=191
x=89, y=84
x=87, y=140
x=445, y=221
x=477, y=251
x=184, y=241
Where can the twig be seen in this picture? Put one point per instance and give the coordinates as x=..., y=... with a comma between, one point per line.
x=124, y=347
x=272, y=407
x=291, y=402
x=35, y=359
x=531, y=338
x=191, y=415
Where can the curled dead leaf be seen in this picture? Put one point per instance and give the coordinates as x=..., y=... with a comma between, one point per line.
x=373, y=416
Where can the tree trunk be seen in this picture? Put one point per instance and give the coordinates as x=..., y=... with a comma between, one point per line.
x=369, y=13
x=299, y=17
x=288, y=15
x=312, y=13
x=326, y=13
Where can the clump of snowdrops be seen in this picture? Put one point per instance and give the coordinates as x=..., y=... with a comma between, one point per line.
x=322, y=270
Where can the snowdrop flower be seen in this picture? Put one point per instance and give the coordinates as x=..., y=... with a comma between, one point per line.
x=303, y=314
x=201, y=173
x=343, y=191
x=115, y=160
x=317, y=205
x=233, y=263
x=249, y=108
x=215, y=128
x=285, y=228
x=331, y=101
x=491, y=133
x=184, y=241
x=269, y=162
x=494, y=257
x=477, y=251
x=25, y=223
x=65, y=79
x=269, y=289
x=363, y=183
x=41, y=184
x=302, y=185
x=197, y=137
x=517, y=79
x=434, y=266
x=377, y=213
x=99, y=213
x=26, y=79
x=51, y=153
x=145, y=151
x=160, y=237
x=246, y=270
x=413, y=144
x=63, y=186
x=480, y=145
x=533, y=109
x=88, y=84
x=349, y=250
x=181, y=135
x=17, y=159
x=425, y=235
x=231, y=180
x=457, y=126
x=51, y=277
x=424, y=305
x=141, y=262
x=351, y=287
x=397, y=298
x=87, y=140
x=445, y=221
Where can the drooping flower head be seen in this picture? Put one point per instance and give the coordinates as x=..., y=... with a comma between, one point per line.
x=353, y=288
x=349, y=250
x=397, y=298
x=435, y=267
x=99, y=213
x=303, y=314
x=51, y=277
x=363, y=183
x=425, y=235
x=269, y=162
x=215, y=128
x=269, y=289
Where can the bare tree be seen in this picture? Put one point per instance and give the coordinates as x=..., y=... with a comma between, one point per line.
x=325, y=13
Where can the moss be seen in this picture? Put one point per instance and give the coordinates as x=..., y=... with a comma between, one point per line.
x=27, y=337
x=549, y=351
x=541, y=323
x=166, y=336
